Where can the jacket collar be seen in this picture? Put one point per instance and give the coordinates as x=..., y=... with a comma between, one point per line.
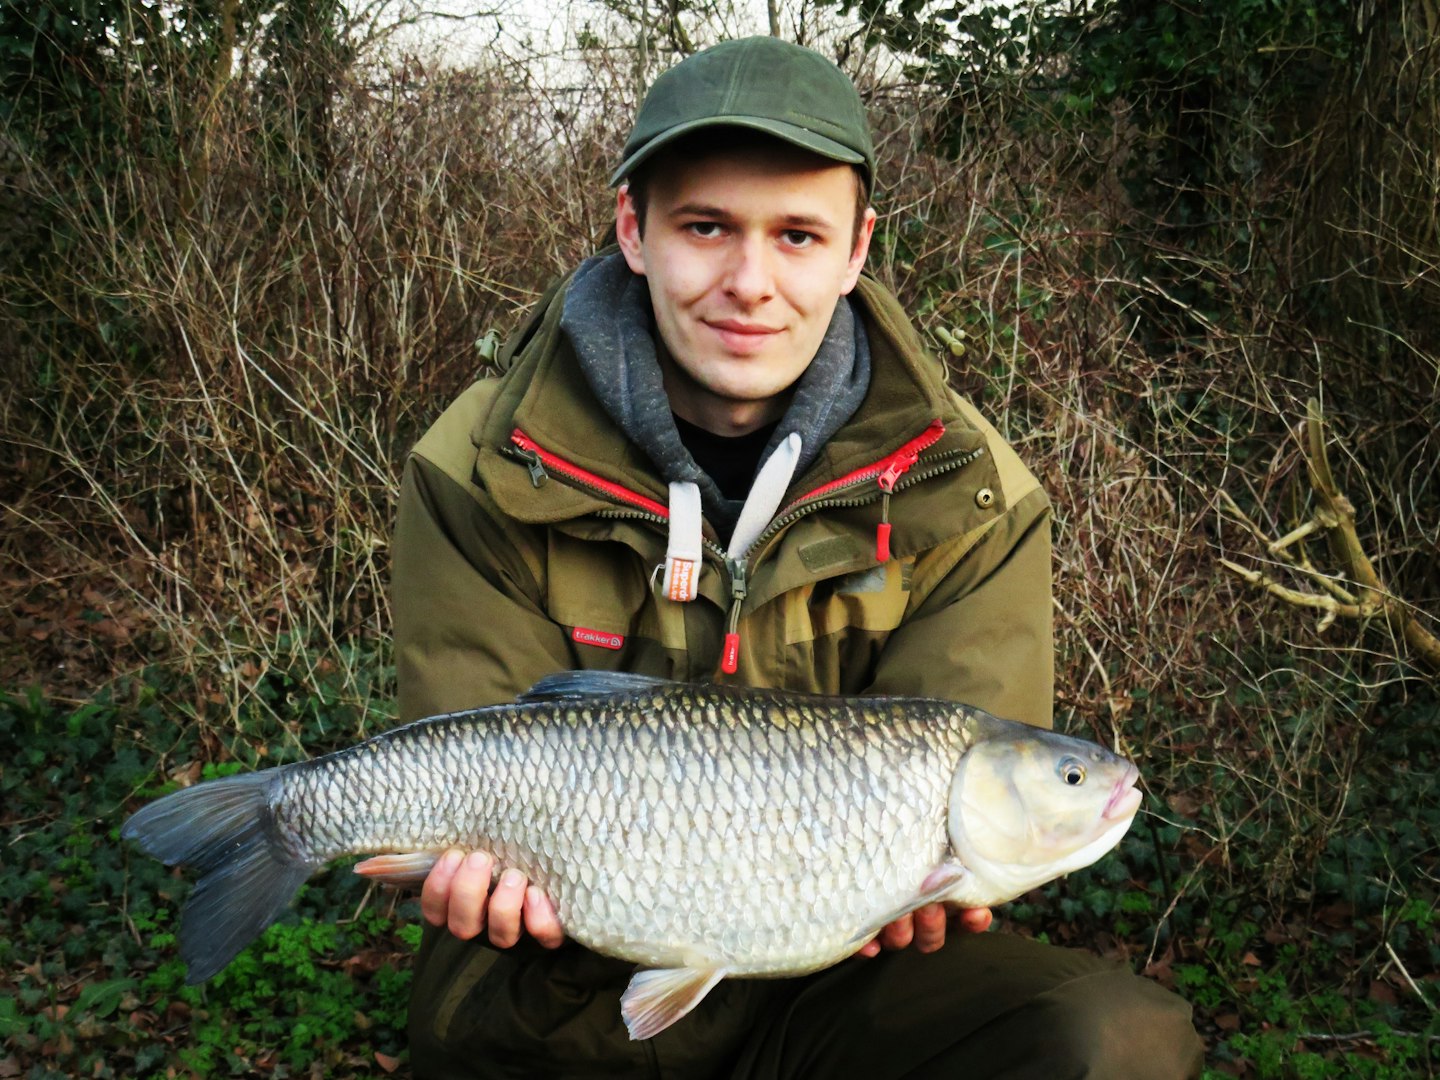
x=544, y=394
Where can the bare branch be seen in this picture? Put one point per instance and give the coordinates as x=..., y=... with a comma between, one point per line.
x=1335, y=518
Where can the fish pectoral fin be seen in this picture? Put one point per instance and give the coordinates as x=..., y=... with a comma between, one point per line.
x=405, y=868
x=656, y=998
x=941, y=881
x=578, y=685
x=937, y=887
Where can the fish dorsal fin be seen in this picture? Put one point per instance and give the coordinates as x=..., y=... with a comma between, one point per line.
x=656, y=999
x=570, y=685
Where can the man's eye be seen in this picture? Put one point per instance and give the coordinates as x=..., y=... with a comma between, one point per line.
x=799, y=238
x=706, y=230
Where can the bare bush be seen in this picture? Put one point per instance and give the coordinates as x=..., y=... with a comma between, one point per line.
x=217, y=432
x=223, y=370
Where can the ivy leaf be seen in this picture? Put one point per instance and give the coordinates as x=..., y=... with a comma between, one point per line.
x=102, y=999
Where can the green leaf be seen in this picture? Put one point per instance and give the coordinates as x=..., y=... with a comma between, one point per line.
x=102, y=999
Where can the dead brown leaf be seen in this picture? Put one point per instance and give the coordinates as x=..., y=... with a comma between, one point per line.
x=1184, y=803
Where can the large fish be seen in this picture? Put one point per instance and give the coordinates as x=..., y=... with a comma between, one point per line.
x=649, y=810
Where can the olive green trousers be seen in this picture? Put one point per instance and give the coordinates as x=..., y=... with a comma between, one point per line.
x=986, y=1005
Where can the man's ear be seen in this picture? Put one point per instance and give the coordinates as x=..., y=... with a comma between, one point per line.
x=862, y=249
x=627, y=230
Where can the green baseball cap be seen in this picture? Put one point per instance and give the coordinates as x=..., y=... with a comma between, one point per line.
x=762, y=83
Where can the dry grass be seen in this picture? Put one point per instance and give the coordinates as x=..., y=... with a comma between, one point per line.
x=214, y=439
x=215, y=392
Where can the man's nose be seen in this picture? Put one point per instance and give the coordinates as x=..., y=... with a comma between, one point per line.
x=751, y=277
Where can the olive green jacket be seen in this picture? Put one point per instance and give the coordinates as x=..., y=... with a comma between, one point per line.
x=529, y=534
x=530, y=530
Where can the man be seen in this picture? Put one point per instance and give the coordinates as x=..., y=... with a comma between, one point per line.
x=721, y=452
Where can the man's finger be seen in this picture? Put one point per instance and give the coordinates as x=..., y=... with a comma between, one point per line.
x=930, y=927
x=974, y=920
x=506, y=903
x=898, y=934
x=466, y=916
x=540, y=918
x=435, y=893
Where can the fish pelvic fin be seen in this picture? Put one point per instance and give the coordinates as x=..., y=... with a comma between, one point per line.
x=407, y=868
x=224, y=829
x=657, y=998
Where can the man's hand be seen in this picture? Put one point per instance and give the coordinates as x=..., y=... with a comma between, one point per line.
x=457, y=894
x=925, y=928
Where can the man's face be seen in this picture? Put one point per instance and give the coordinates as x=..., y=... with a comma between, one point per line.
x=746, y=254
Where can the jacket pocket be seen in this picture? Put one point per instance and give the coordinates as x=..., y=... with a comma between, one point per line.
x=835, y=629
x=872, y=600
x=599, y=591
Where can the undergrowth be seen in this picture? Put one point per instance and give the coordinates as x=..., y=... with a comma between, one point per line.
x=92, y=984
x=1332, y=975
x=1337, y=974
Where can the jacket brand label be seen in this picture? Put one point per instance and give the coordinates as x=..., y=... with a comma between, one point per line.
x=600, y=638
x=682, y=579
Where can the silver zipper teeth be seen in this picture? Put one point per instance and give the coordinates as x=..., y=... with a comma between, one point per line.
x=616, y=513
x=909, y=478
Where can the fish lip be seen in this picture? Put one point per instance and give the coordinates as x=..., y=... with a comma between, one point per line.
x=1125, y=798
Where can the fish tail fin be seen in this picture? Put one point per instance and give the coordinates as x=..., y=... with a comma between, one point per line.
x=225, y=829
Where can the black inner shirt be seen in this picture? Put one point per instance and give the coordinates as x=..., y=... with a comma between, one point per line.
x=730, y=460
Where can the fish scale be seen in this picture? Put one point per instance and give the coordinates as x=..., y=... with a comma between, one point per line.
x=706, y=831
x=886, y=781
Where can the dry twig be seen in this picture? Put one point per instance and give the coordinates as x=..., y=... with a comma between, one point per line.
x=1335, y=518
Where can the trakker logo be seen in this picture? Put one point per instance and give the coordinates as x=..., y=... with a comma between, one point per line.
x=597, y=637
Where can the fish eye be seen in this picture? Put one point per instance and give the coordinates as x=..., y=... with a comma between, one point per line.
x=1071, y=770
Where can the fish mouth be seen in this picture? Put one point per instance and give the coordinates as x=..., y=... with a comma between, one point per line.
x=1125, y=798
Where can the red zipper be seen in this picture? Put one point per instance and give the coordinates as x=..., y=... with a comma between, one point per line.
x=618, y=492
x=886, y=473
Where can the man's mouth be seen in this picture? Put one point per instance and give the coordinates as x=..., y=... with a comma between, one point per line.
x=739, y=337
x=737, y=326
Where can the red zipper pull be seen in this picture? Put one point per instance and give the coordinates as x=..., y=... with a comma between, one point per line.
x=730, y=655
x=887, y=480
x=730, y=658
x=739, y=586
x=882, y=531
x=896, y=469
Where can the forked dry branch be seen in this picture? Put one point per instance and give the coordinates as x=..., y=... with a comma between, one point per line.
x=1359, y=593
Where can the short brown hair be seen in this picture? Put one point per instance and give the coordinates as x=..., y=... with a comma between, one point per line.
x=709, y=143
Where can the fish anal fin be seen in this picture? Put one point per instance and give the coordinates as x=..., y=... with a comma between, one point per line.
x=657, y=998
x=937, y=887
x=402, y=868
